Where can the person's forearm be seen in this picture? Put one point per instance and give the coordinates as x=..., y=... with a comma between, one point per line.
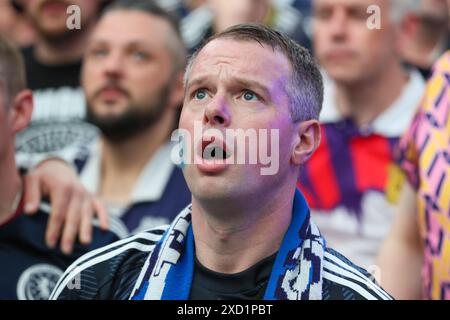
x=401, y=256
x=400, y=265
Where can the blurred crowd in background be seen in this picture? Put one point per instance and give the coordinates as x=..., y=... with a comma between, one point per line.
x=378, y=185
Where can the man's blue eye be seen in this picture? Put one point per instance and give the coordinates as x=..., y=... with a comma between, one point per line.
x=249, y=96
x=138, y=55
x=99, y=53
x=200, y=94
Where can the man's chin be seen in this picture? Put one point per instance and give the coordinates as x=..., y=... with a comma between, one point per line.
x=342, y=76
x=211, y=191
x=55, y=33
x=215, y=199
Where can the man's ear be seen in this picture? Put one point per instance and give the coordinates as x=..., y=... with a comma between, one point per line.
x=177, y=93
x=306, y=141
x=21, y=110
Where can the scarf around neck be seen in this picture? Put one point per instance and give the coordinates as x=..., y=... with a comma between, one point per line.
x=296, y=274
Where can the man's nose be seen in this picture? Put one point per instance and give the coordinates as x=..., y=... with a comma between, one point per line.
x=338, y=24
x=217, y=112
x=114, y=65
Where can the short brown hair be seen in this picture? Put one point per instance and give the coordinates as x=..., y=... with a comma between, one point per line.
x=175, y=44
x=12, y=70
x=305, y=86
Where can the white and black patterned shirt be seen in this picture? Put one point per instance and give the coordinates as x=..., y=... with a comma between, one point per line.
x=111, y=272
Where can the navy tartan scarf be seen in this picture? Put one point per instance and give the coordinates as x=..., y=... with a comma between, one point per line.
x=296, y=274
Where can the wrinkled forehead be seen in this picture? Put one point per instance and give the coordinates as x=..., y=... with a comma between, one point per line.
x=241, y=58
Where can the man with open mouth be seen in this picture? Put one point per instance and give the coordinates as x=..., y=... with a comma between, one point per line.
x=246, y=235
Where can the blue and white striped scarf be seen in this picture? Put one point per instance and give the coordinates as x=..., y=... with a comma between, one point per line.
x=296, y=274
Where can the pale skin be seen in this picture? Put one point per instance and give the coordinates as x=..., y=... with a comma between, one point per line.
x=364, y=64
x=239, y=216
x=401, y=255
x=129, y=48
